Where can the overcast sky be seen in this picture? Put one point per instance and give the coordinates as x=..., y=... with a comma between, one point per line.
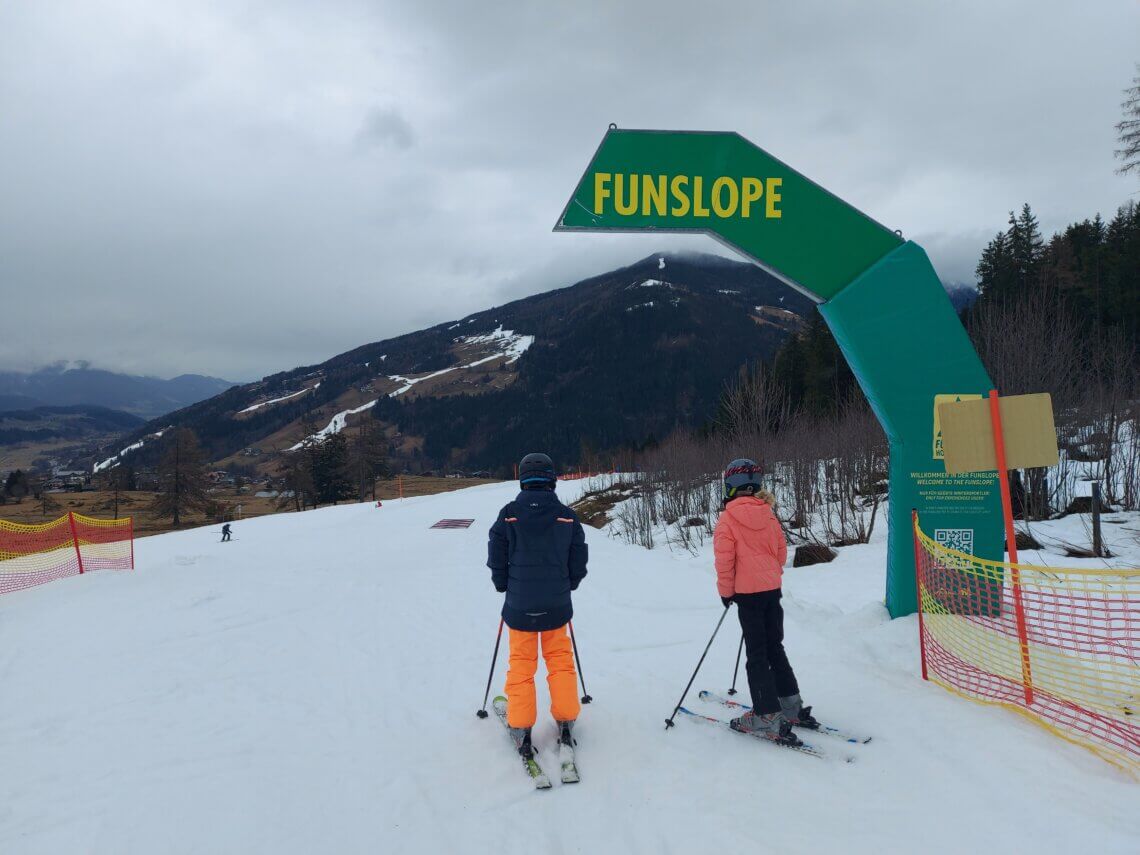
x=237, y=188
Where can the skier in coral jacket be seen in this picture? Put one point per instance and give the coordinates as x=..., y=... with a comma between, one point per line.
x=750, y=551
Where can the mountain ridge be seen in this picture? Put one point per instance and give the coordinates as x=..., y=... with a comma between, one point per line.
x=614, y=360
x=65, y=384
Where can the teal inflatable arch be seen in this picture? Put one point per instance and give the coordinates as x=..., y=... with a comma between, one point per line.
x=878, y=293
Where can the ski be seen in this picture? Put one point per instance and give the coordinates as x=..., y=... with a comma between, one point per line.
x=567, y=759
x=802, y=748
x=825, y=729
x=541, y=782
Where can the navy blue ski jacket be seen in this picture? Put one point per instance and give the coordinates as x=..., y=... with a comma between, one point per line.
x=537, y=554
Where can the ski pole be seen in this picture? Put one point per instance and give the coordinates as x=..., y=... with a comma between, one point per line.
x=736, y=670
x=494, y=658
x=669, y=721
x=585, y=695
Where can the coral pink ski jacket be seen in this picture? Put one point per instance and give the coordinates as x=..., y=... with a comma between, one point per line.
x=750, y=548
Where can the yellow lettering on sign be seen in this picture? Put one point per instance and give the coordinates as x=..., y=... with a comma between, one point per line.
x=653, y=192
x=773, y=197
x=725, y=196
x=601, y=191
x=677, y=187
x=625, y=204
x=699, y=209
x=721, y=209
x=752, y=190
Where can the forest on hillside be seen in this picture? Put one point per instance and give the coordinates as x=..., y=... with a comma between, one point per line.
x=1060, y=315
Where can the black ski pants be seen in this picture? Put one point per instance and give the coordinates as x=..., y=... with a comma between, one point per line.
x=770, y=675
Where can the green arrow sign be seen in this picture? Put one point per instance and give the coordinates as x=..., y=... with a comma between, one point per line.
x=881, y=298
x=723, y=185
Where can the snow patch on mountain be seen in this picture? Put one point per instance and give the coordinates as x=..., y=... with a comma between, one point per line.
x=409, y=382
x=250, y=409
x=510, y=343
x=339, y=422
x=115, y=459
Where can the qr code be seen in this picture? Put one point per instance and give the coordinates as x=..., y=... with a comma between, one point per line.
x=961, y=539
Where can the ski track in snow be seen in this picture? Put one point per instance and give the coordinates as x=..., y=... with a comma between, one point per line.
x=312, y=688
x=114, y=459
x=339, y=422
x=268, y=403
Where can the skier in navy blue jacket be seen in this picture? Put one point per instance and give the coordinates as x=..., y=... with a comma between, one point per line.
x=537, y=554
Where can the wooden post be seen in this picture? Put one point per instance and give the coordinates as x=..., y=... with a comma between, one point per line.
x=918, y=590
x=1098, y=544
x=132, y=532
x=1011, y=545
x=75, y=539
x=400, y=481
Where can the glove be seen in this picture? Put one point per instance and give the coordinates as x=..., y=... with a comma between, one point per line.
x=501, y=590
x=727, y=601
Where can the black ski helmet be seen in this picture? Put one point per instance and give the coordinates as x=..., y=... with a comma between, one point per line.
x=536, y=471
x=741, y=476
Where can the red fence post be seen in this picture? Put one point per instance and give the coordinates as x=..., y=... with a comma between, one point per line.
x=75, y=539
x=1011, y=546
x=918, y=590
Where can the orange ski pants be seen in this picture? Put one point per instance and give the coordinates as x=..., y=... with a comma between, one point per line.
x=522, y=707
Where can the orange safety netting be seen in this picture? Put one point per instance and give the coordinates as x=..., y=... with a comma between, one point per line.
x=34, y=554
x=1058, y=644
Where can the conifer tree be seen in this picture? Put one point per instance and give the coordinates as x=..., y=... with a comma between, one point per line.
x=1025, y=246
x=331, y=479
x=368, y=456
x=17, y=485
x=182, y=482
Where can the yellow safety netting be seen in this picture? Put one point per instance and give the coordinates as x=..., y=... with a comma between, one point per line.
x=1061, y=645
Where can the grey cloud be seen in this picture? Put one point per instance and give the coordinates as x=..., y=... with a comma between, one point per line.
x=386, y=127
x=185, y=191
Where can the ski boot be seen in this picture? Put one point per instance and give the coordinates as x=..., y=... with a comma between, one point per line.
x=565, y=733
x=792, y=706
x=521, y=736
x=771, y=726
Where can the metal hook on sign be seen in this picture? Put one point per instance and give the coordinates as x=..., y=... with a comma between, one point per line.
x=613, y=126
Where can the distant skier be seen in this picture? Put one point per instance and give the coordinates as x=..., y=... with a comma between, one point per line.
x=537, y=554
x=225, y=532
x=750, y=551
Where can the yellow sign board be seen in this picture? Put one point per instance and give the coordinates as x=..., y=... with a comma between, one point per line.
x=943, y=399
x=1027, y=427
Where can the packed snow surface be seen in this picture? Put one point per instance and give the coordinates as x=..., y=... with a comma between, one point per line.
x=311, y=687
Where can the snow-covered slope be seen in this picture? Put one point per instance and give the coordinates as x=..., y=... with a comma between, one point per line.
x=311, y=687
